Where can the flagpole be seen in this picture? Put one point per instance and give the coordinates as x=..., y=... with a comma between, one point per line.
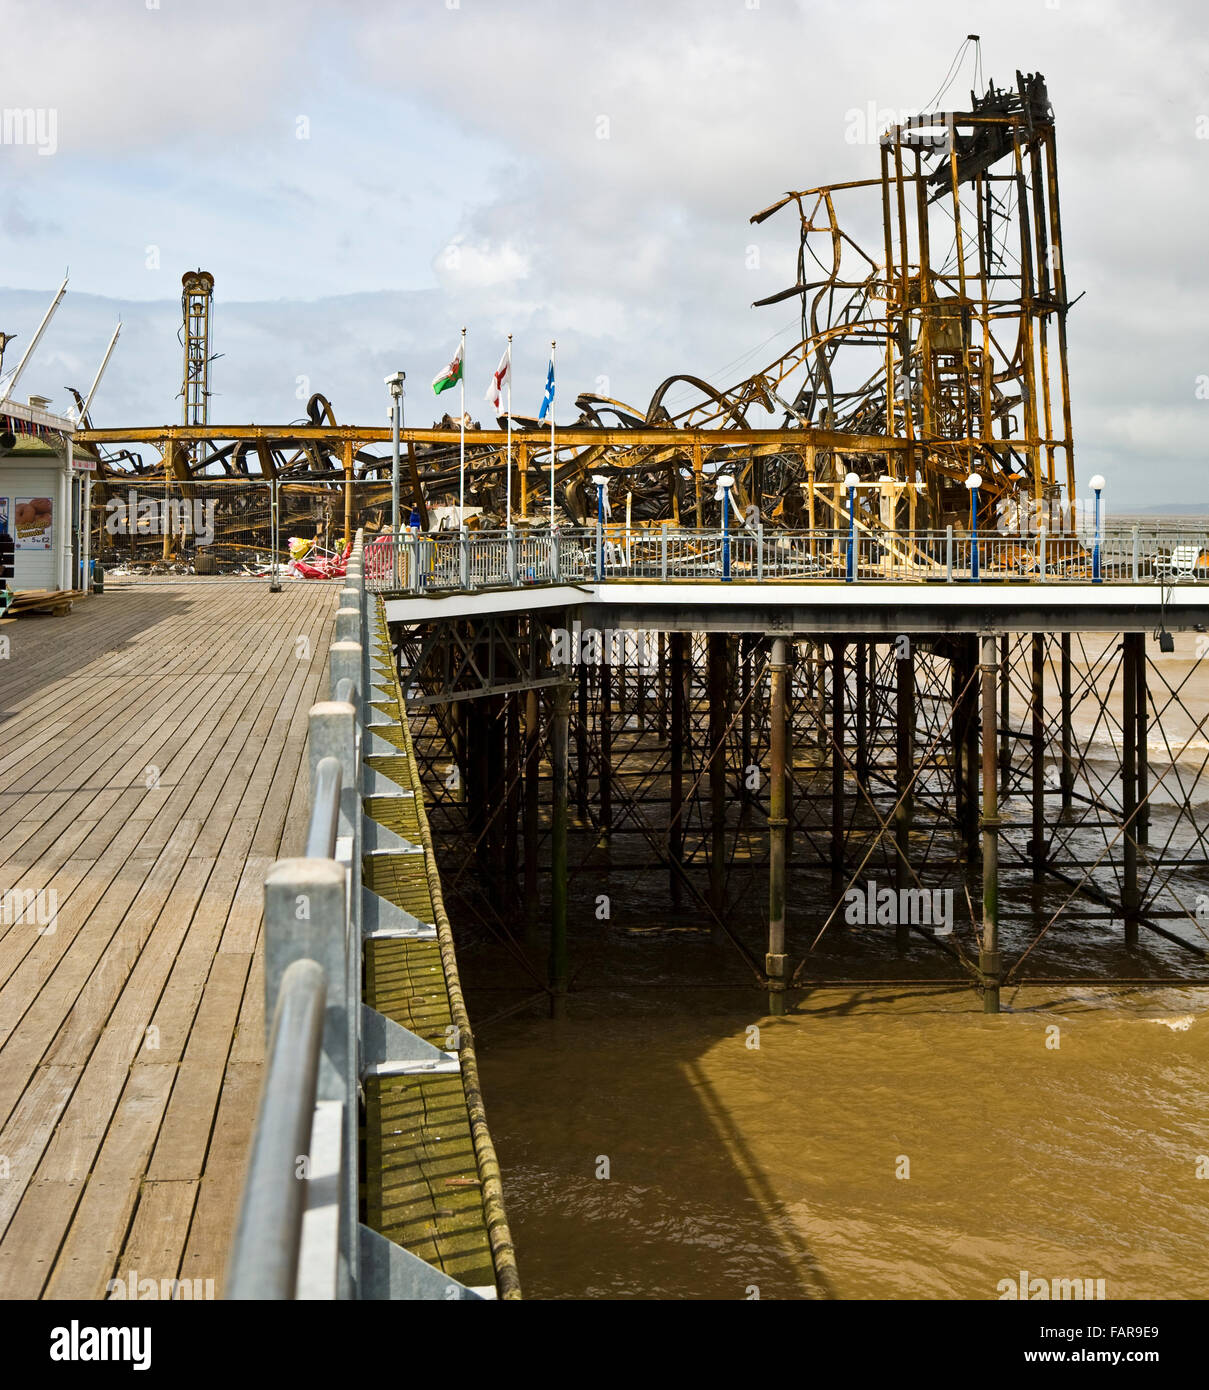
x=462, y=447
x=553, y=393
x=509, y=432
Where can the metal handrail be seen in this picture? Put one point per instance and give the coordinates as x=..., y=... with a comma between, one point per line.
x=312, y=1114
x=271, y=1249
x=325, y=810
x=264, y=1257
x=457, y=561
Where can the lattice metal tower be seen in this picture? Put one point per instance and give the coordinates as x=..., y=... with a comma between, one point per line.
x=197, y=298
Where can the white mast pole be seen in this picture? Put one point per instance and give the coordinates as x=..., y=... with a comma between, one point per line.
x=462, y=449
x=29, y=351
x=509, y=469
x=553, y=393
x=92, y=390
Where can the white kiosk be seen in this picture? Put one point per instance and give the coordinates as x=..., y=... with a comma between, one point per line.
x=44, y=495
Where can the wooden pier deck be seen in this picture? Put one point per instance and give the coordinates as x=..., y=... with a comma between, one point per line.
x=152, y=767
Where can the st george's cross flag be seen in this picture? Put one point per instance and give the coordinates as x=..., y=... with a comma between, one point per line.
x=501, y=377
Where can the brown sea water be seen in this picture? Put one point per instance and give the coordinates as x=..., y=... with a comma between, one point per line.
x=879, y=1141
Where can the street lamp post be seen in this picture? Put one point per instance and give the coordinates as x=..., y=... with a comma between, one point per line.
x=725, y=483
x=394, y=384
x=601, y=484
x=1097, y=486
x=850, y=482
x=974, y=482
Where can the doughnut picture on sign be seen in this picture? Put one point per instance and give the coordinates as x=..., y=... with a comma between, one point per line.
x=32, y=522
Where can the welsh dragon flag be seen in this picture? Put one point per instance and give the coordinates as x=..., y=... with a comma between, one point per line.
x=450, y=376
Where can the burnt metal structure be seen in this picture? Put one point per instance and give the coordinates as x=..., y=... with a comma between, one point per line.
x=766, y=768
x=936, y=352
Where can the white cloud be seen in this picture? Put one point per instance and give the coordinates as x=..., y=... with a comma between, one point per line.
x=478, y=128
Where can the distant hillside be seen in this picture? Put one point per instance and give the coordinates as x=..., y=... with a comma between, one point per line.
x=1173, y=509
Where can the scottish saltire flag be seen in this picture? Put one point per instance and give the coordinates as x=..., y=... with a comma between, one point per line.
x=548, y=398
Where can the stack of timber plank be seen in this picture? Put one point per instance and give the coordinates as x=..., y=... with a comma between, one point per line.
x=56, y=601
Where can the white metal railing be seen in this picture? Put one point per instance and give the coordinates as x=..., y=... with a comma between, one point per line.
x=416, y=563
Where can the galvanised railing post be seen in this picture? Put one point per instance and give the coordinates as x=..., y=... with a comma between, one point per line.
x=345, y=664
x=512, y=561
x=304, y=916
x=663, y=552
x=416, y=575
x=1042, y=536
x=949, y=554
x=464, y=557
x=348, y=625
x=759, y=550
x=1137, y=554
x=332, y=734
x=555, y=557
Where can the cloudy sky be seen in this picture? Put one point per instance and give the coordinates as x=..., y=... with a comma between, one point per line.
x=364, y=179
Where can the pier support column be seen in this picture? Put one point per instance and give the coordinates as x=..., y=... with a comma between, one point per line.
x=837, y=764
x=1005, y=712
x=512, y=773
x=581, y=744
x=718, y=711
x=774, y=961
x=457, y=743
x=661, y=687
x=792, y=656
x=1143, y=766
x=905, y=770
x=1129, y=785
x=558, y=854
x=675, y=834
x=970, y=827
x=990, y=963
x=605, y=716
x=1068, y=763
x=746, y=700
x=1037, y=753
x=861, y=662
x=532, y=771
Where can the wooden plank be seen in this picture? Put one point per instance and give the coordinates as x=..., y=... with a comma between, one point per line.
x=89, y=1255
x=159, y=921
x=206, y=1252
x=158, y=1233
